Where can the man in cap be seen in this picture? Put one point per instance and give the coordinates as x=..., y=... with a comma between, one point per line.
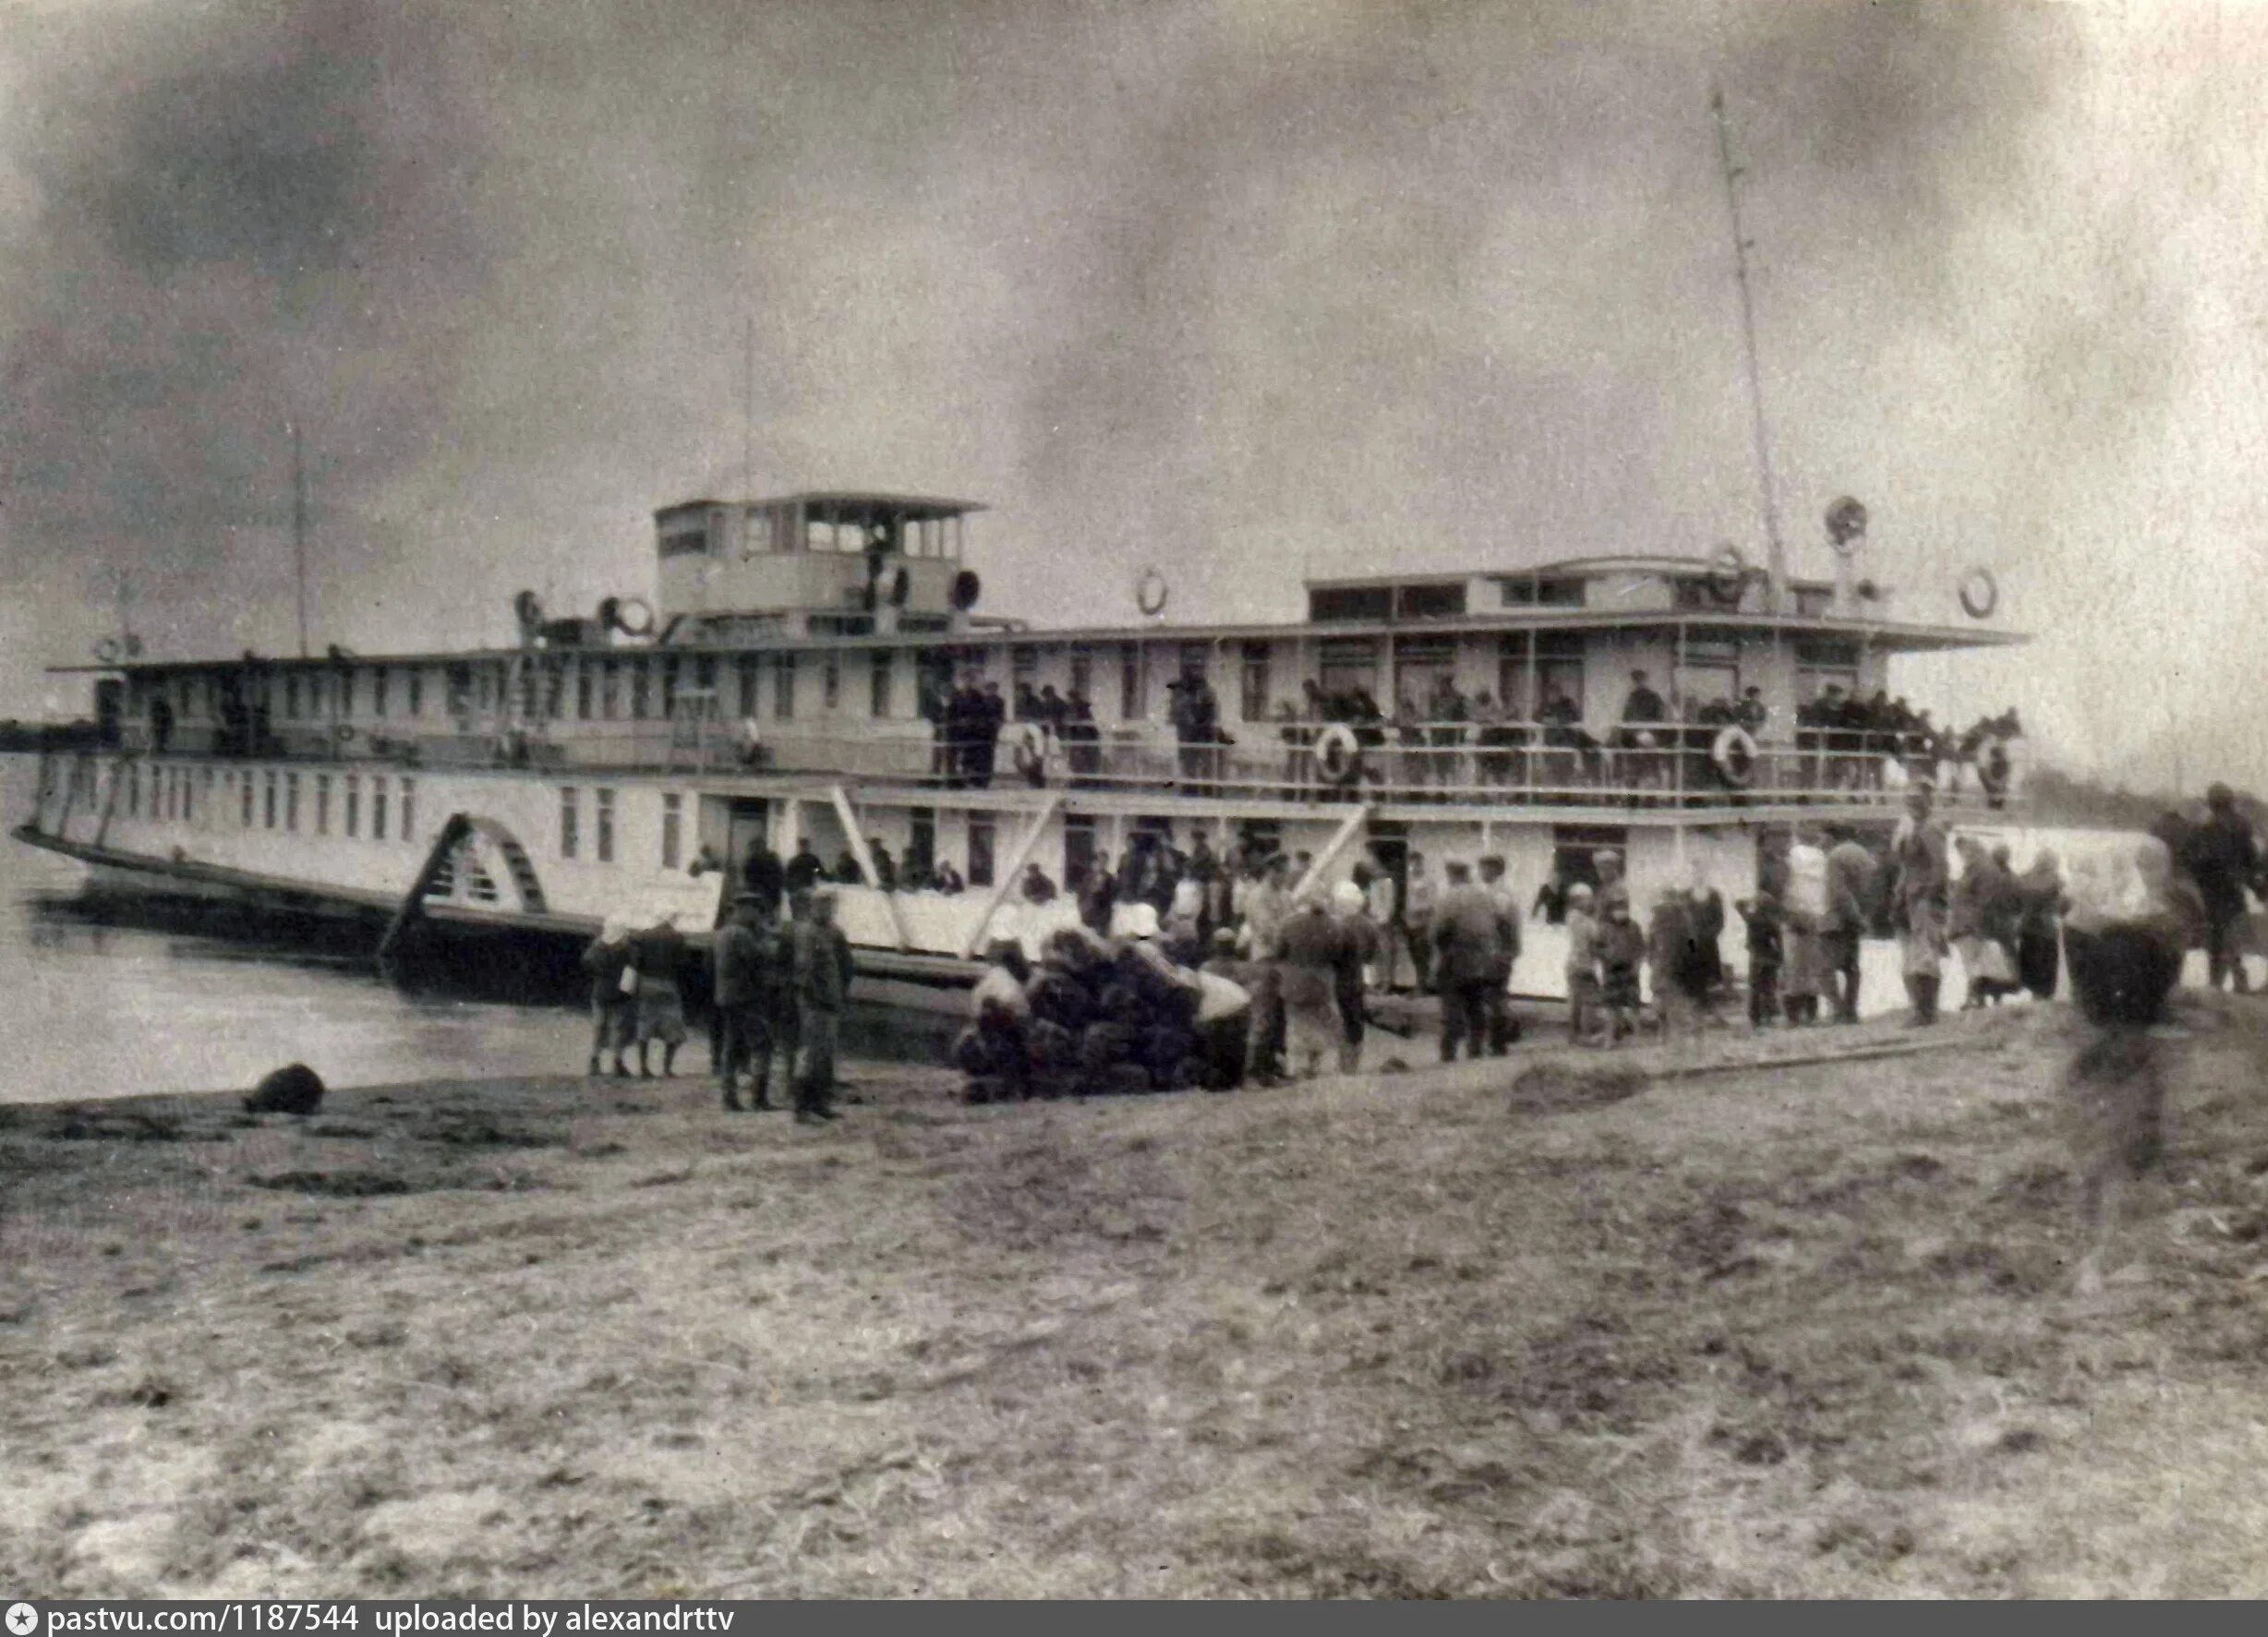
x=821, y=962
x=1849, y=897
x=747, y=967
x=657, y=956
x=1468, y=942
x=2223, y=856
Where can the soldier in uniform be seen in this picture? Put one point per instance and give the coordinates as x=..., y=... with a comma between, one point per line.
x=823, y=973
x=748, y=968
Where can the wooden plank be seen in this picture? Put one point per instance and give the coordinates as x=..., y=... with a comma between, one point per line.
x=1332, y=848
x=854, y=832
x=1007, y=876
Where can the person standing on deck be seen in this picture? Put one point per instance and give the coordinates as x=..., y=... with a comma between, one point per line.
x=2223, y=857
x=606, y=959
x=803, y=870
x=821, y=959
x=1644, y=712
x=1923, y=882
x=764, y=874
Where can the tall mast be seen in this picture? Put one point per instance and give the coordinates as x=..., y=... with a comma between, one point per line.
x=1777, y=551
x=299, y=533
x=748, y=408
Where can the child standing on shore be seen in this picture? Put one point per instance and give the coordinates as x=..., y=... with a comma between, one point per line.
x=1583, y=992
x=1622, y=947
x=1765, y=954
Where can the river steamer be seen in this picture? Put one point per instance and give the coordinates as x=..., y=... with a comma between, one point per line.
x=781, y=685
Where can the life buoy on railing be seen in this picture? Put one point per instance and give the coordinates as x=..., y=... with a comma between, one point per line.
x=1728, y=574
x=1734, y=756
x=1026, y=749
x=1151, y=592
x=1846, y=525
x=108, y=650
x=343, y=733
x=1980, y=593
x=634, y=616
x=1338, y=754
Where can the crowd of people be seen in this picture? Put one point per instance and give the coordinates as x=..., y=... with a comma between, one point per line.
x=1168, y=968
x=1337, y=743
x=778, y=991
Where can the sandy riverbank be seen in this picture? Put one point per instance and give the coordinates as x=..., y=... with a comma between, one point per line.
x=1801, y=1331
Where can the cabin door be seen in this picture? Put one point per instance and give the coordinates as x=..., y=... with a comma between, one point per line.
x=740, y=822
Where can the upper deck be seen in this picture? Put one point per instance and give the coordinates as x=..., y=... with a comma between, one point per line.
x=827, y=634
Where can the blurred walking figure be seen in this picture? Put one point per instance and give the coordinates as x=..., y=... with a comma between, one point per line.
x=1313, y=945
x=1805, y=923
x=1503, y=1028
x=1762, y=915
x=2130, y=929
x=1621, y=950
x=1360, y=943
x=607, y=959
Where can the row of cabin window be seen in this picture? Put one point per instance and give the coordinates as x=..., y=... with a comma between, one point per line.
x=614, y=689
x=271, y=801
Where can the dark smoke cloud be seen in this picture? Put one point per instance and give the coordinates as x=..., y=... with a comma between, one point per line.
x=1216, y=285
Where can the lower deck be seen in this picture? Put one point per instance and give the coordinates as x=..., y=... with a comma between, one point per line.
x=560, y=855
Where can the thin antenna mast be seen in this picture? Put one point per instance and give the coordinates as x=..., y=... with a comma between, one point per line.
x=1778, y=549
x=299, y=532
x=748, y=409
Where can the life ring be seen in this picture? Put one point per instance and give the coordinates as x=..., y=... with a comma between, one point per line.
x=1728, y=574
x=1149, y=593
x=1028, y=748
x=1338, y=754
x=343, y=733
x=1734, y=754
x=634, y=616
x=1846, y=525
x=1980, y=593
x=108, y=650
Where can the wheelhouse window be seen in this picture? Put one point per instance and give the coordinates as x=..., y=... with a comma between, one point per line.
x=379, y=679
x=291, y=801
x=267, y=800
x=1428, y=602
x=353, y=804
x=570, y=821
x=322, y=804
x=377, y=808
x=1540, y=593
x=672, y=831
x=605, y=799
x=1350, y=602
x=1133, y=686
x=416, y=692
x=410, y=809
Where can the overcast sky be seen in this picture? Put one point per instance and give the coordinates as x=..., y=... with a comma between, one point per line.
x=1247, y=290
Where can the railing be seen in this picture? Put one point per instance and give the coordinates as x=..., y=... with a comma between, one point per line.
x=1485, y=764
